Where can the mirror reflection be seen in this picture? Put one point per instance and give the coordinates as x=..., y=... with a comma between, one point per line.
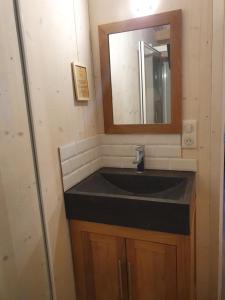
x=141, y=76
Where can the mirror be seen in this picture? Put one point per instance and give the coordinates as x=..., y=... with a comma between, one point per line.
x=141, y=74
x=141, y=59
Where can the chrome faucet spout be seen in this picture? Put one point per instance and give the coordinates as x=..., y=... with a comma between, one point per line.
x=139, y=160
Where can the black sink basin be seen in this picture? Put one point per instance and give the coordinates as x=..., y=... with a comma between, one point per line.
x=156, y=200
x=143, y=185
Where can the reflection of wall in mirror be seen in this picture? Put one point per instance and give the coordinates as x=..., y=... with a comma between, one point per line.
x=125, y=75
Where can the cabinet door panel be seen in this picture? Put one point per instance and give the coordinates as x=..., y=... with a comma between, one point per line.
x=151, y=271
x=105, y=267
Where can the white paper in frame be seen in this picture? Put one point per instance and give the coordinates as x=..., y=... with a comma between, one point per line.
x=80, y=82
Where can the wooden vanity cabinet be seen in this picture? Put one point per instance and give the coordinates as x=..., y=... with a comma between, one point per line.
x=151, y=270
x=120, y=263
x=103, y=267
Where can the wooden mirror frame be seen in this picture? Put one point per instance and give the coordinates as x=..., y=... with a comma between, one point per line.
x=172, y=18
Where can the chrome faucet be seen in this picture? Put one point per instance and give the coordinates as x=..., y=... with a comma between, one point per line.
x=139, y=160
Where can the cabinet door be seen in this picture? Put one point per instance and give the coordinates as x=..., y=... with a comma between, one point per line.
x=151, y=271
x=104, y=266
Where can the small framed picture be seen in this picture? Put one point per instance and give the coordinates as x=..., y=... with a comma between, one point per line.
x=80, y=82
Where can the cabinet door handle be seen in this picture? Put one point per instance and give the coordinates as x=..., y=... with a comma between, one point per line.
x=120, y=278
x=130, y=281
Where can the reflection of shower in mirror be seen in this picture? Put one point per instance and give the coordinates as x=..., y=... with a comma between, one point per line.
x=154, y=83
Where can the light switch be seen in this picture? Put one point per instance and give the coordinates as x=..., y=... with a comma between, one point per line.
x=189, y=134
x=188, y=128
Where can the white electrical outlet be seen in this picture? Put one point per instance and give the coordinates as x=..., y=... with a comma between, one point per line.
x=189, y=134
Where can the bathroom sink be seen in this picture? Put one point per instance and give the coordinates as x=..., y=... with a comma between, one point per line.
x=143, y=185
x=127, y=182
x=156, y=200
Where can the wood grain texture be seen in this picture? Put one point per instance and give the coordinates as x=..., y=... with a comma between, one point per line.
x=23, y=263
x=58, y=119
x=102, y=256
x=217, y=153
x=152, y=260
x=152, y=268
x=100, y=265
x=174, y=19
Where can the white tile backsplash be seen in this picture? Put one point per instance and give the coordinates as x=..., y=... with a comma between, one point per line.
x=163, y=151
x=157, y=163
x=118, y=150
x=75, y=177
x=183, y=164
x=67, y=151
x=117, y=162
x=152, y=151
x=134, y=139
x=79, y=160
x=87, y=144
x=82, y=158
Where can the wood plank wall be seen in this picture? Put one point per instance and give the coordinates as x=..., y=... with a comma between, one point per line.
x=202, y=101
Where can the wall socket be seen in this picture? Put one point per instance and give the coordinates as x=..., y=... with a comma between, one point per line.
x=189, y=134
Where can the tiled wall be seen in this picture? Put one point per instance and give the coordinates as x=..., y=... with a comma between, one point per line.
x=80, y=159
x=161, y=151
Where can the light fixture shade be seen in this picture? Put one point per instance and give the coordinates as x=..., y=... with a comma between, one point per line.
x=144, y=7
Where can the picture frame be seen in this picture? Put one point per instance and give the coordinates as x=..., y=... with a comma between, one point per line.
x=80, y=79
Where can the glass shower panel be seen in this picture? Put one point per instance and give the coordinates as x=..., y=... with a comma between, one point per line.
x=155, y=93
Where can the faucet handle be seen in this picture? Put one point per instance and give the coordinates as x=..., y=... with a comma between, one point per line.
x=140, y=153
x=140, y=148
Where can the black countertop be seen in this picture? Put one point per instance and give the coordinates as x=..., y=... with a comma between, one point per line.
x=155, y=200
